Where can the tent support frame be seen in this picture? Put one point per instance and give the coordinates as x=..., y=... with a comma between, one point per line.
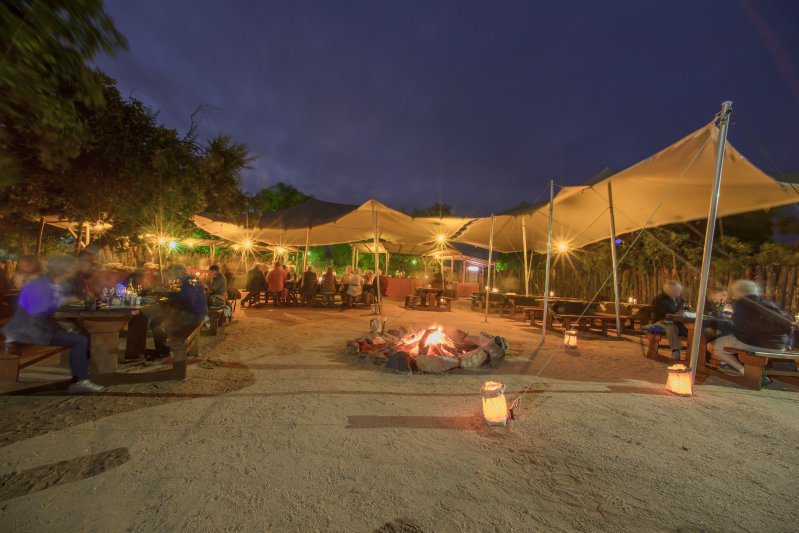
x=724, y=123
x=549, y=261
x=488, y=271
x=526, y=266
x=613, y=258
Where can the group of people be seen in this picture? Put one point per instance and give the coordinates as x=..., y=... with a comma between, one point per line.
x=68, y=279
x=747, y=321
x=280, y=280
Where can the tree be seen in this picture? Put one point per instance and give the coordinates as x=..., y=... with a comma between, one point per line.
x=277, y=197
x=436, y=210
x=45, y=79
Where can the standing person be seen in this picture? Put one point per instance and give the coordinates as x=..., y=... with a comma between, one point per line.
x=383, y=284
x=33, y=322
x=276, y=279
x=28, y=267
x=670, y=302
x=329, y=286
x=757, y=323
x=368, y=289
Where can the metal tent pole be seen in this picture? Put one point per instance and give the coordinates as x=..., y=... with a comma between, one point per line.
x=488, y=271
x=377, y=260
x=41, y=237
x=305, y=255
x=613, y=258
x=724, y=123
x=526, y=269
x=549, y=261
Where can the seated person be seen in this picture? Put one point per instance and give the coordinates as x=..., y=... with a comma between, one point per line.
x=186, y=310
x=756, y=324
x=256, y=284
x=368, y=288
x=308, y=286
x=718, y=306
x=79, y=287
x=328, y=286
x=232, y=292
x=33, y=323
x=354, y=289
x=276, y=280
x=217, y=288
x=28, y=267
x=670, y=302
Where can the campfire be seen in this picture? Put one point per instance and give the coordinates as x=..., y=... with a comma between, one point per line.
x=435, y=349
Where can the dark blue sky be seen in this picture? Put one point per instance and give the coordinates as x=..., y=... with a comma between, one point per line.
x=476, y=103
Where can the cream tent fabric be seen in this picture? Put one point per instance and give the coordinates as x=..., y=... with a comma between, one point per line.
x=672, y=186
x=355, y=225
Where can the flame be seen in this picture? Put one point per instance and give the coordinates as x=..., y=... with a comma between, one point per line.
x=435, y=340
x=437, y=337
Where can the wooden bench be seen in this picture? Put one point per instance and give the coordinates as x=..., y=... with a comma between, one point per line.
x=216, y=316
x=757, y=365
x=182, y=342
x=16, y=356
x=586, y=322
x=654, y=334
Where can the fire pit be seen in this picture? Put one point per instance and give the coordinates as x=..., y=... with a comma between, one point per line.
x=434, y=349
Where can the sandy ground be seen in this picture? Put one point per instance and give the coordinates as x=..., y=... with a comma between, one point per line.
x=283, y=431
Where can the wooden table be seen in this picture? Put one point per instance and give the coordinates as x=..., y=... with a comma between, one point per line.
x=103, y=326
x=689, y=322
x=424, y=295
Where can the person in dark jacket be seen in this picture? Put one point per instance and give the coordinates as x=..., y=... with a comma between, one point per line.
x=308, y=286
x=756, y=324
x=217, y=288
x=670, y=302
x=256, y=285
x=33, y=323
x=186, y=310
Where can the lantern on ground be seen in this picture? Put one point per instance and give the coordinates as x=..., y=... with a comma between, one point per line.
x=570, y=338
x=679, y=381
x=495, y=410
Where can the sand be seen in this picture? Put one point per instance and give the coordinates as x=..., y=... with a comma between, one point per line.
x=278, y=429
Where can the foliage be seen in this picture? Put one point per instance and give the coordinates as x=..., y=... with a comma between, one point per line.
x=436, y=210
x=277, y=197
x=45, y=79
x=134, y=172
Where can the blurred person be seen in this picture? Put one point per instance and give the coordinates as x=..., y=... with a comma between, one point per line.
x=308, y=286
x=670, y=302
x=256, y=284
x=328, y=286
x=383, y=283
x=757, y=323
x=28, y=267
x=80, y=286
x=368, y=288
x=33, y=322
x=354, y=289
x=217, y=287
x=718, y=306
x=276, y=280
x=186, y=310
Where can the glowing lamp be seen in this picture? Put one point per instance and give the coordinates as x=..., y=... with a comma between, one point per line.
x=441, y=238
x=173, y=245
x=494, y=290
x=495, y=409
x=248, y=244
x=413, y=261
x=562, y=247
x=679, y=381
x=551, y=294
x=570, y=338
x=280, y=251
x=161, y=240
x=630, y=300
x=473, y=268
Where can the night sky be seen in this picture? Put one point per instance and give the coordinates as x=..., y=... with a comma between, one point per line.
x=478, y=104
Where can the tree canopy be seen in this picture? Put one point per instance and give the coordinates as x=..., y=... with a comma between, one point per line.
x=277, y=197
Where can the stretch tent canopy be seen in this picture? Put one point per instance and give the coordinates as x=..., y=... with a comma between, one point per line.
x=672, y=186
x=320, y=223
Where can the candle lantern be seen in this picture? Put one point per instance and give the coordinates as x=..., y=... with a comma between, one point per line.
x=495, y=409
x=570, y=338
x=630, y=300
x=551, y=294
x=679, y=381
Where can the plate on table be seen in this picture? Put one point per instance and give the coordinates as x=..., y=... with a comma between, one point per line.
x=689, y=314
